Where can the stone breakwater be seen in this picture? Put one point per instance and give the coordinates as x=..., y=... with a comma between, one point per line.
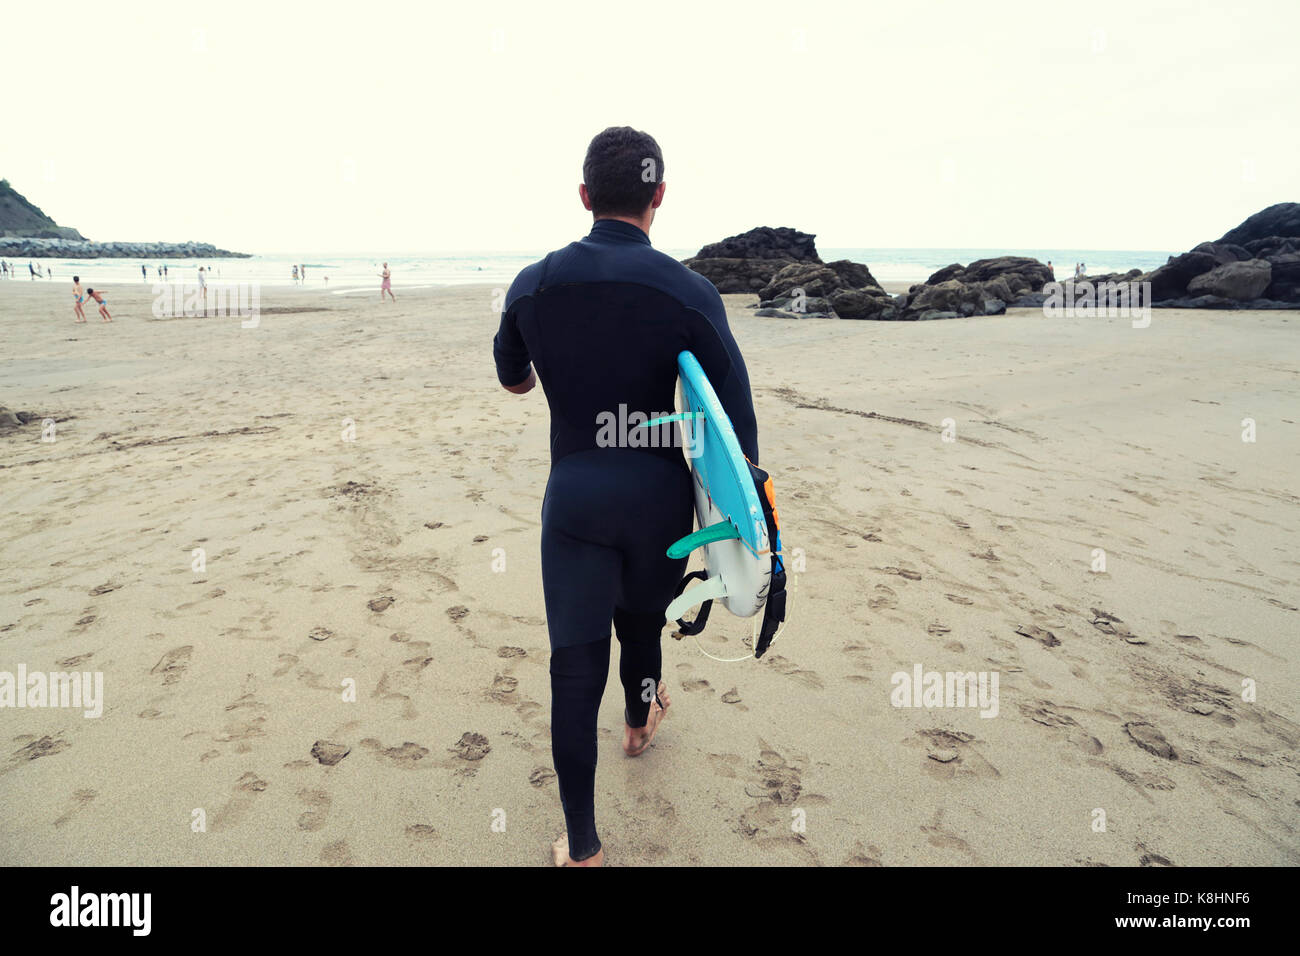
x=32, y=248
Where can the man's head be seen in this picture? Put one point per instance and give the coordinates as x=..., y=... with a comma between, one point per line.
x=623, y=175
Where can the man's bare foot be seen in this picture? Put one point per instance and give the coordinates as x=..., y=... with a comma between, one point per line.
x=560, y=854
x=637, y=739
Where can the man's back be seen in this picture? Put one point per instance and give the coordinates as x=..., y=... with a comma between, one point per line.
x=602, y=321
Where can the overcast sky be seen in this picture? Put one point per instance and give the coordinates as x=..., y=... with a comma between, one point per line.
x=387, y=127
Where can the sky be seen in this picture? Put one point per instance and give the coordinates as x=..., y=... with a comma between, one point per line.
x=392, y=128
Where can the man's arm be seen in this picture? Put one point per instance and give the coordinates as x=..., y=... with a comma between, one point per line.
x=510, y=352
x=525, y=386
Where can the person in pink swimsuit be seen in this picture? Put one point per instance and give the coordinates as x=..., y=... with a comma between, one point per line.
x=387, y=284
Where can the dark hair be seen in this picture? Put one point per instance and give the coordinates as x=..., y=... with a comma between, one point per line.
x=622, y=170
x=76, y=278
x=89, y=290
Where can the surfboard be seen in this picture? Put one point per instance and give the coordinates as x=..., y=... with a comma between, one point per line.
x=732, y=528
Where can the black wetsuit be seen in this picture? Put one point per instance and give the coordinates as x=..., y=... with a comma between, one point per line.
x=602, y=321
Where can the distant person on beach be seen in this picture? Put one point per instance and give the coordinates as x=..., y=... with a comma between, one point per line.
x=1051, y=269
x=79, y=297
x=48, y=273
x=103, y=304
x=203, y=287
x=295, y=273
x=31, y=267
x=303, y=271
x=144, y=274
x=387, y=284
x=165, y=273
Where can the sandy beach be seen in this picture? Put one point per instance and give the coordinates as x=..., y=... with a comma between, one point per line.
x=405, y=564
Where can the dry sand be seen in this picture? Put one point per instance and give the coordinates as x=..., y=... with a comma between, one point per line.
x=1072, y=435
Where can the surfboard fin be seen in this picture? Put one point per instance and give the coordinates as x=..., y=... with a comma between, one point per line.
x=701, y=594
x=722, y=531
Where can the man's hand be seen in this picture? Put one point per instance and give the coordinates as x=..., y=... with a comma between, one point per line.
x=525, y=386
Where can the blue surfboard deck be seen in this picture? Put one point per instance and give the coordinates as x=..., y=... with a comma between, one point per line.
x=716, y=458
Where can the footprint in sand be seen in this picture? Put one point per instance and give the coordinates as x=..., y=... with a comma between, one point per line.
x=337, y=854
x=949, y=753
x=318, y=807
x=541, y=777
x=885, y=598
x=806, y=677
x=80, y=799
x=407, y=755
x=1150, y=740
x=511, y=652
x=173, y=664
x=241, y=800
x=421, y=831
x=502, y=689
x=958, y=599
x=471, y=746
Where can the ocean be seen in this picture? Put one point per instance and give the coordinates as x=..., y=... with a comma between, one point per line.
x=352, y=274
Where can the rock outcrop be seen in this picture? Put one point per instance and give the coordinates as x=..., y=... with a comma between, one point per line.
x=33, y=248
x=1254, y=266
x=749, y=261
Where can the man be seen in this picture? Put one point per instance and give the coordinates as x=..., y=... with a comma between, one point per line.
x=600, y=322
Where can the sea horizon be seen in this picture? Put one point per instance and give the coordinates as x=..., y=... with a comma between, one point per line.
x=345, y=271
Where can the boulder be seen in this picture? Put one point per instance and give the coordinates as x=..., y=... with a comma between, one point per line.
x=861, y=304
x=1171, y=279
x=1285, y=284
x=1224, y=252
x=1282, y=219
x=853, y=275
x=814, y=279
x=1035, y=274
x=953, y=271
x=1240, y=281
x=738, y=275
x=764, y=243
x=1272, y=246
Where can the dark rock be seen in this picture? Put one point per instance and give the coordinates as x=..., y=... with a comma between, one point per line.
x=738, y=275
x=1223, y=252
x=954, y=271
x=1234, y=280
x=853, y=275
x=1171, y=279
x=1033, y=300
x=1282, y=219
x=929, y=314
x=780, y=314
x=996, y=306
x=1272, y=246
x=1034, y=273
x=1285, y=286
x=812, y=278
x=859, y=304
x=764, y=243
x=1219, y=302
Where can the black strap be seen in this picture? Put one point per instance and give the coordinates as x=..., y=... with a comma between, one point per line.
x=701, y=616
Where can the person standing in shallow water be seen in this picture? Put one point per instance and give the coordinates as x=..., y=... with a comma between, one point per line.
x=387, y=284
x=600, y=323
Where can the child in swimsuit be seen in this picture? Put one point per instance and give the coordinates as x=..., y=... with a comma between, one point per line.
x=76, y=306
x=103, y=304
x=387, y=285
